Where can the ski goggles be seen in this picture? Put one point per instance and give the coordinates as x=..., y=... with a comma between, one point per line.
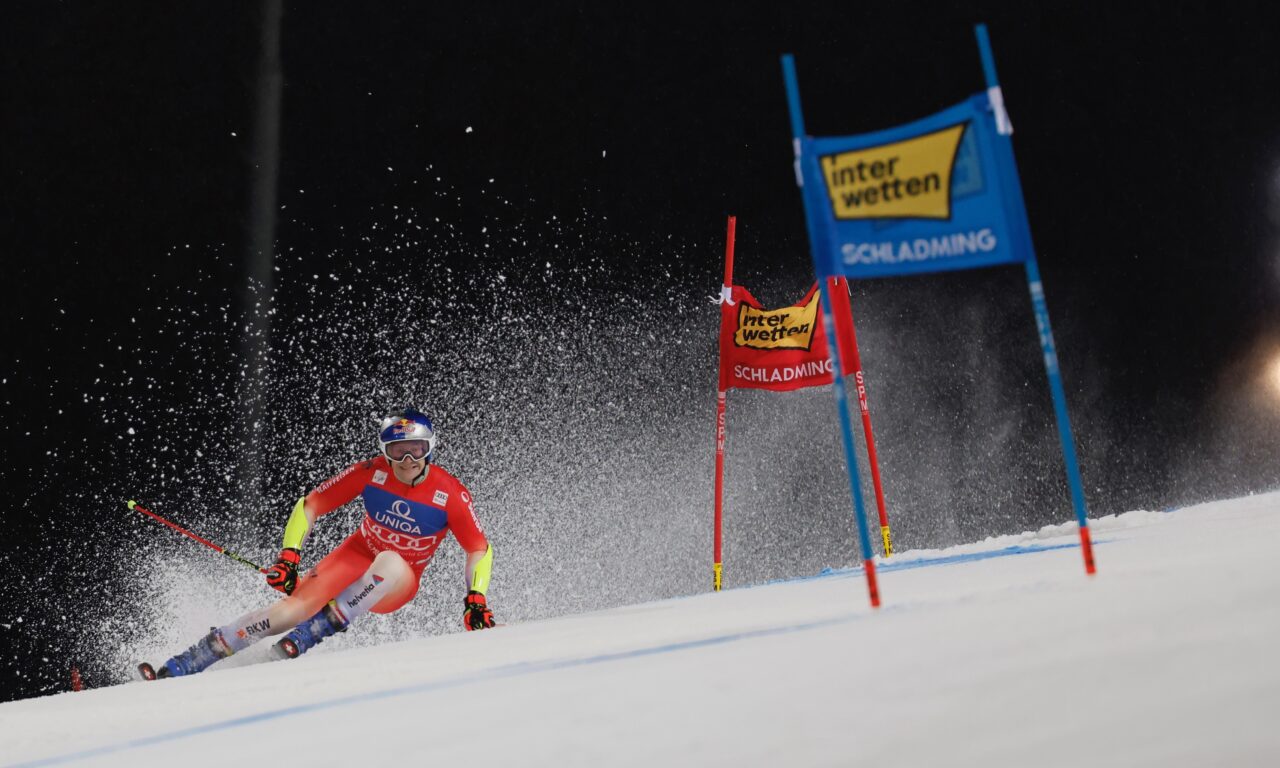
x=401, y=450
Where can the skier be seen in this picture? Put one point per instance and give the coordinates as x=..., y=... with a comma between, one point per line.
x=410, y=504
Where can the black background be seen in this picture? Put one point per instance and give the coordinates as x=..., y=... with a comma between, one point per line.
x=1147, y=135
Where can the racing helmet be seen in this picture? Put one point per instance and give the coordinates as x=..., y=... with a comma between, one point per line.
x=408, y=432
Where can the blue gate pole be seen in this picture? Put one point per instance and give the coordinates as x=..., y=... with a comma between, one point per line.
x=1022, y=236
x=817, y=242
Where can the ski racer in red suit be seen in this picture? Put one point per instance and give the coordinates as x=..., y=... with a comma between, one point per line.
x=410, y=505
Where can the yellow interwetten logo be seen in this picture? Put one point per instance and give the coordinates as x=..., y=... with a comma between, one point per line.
x=786, y=328
x=906, y=179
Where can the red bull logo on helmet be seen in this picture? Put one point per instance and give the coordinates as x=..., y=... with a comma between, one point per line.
x=406, y=428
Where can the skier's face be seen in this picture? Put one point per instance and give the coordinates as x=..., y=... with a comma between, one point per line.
x=408, y=469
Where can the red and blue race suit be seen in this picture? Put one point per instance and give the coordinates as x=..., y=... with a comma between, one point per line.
x=408, y=520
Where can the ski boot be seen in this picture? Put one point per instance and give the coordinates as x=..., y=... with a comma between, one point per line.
x=311, y=632
x=197, y=658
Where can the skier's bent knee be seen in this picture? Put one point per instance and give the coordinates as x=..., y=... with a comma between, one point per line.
x=392, y=567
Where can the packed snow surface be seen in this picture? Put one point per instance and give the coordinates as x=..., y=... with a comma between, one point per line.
x=998, y=653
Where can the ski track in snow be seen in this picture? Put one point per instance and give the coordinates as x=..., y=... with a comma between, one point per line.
x=1165, y=658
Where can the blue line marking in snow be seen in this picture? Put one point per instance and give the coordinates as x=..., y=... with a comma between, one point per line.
x=969, y=557
x=890, y=565
x=527, y=668
x=496, y=673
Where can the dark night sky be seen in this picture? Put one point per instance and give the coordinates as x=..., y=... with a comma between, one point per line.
x=1147, y=135
x=1147, y=141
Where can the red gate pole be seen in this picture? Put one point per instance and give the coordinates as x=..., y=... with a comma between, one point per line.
x=718, y=562
x=886, y=537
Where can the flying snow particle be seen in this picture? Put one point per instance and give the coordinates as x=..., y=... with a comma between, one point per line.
x=130, y=430
x=468, y=129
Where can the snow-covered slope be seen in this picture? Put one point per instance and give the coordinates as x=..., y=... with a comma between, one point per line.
x=996, y=653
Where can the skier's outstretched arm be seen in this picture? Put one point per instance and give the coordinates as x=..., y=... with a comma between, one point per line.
x=328, y=496
x=476, y=613
x=479, y=567
x=466, y=528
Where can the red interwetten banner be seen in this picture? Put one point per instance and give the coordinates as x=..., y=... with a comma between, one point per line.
x=782, y=349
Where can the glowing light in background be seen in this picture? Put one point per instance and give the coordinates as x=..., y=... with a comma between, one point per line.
x=1271, y=377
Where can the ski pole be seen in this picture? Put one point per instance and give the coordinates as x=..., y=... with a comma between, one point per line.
x=139, y=508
